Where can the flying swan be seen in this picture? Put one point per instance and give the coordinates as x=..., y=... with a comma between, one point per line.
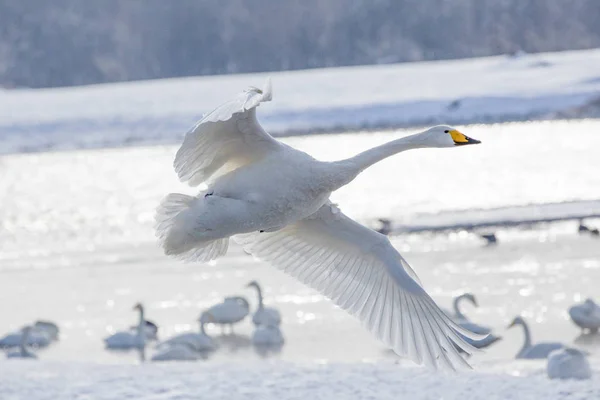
x=274, y=200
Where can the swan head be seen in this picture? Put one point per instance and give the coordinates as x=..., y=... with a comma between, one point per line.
x=138, y=307
x=590, y=303
x=471, y=298
x=445, y=136
x=517, y=321
x=252, y=284
x=206, y=318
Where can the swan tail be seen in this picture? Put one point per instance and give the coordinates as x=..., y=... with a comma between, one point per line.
x=178, y=235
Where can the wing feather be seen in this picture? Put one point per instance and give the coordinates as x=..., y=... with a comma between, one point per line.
x=359, y=270
x=227, y=138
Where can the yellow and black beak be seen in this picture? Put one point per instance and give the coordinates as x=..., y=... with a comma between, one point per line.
x=461, y=139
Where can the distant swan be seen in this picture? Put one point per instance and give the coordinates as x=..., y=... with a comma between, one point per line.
x=231, y=311
x=22, y=352
x=175, y=352
x=264, y=315
x=536, y=351
x=50, y=328
x=267, y=335
x=197, y=341
x=278, y=197
x=465, y=323
x=568, y=363
x=586, y=315
x=34, y=337
x=131, y=339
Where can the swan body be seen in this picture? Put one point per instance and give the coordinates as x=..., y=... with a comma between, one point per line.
x=274, y=200
x=568, y=363
x=23, y=352
x=130, y=339
x=197, y=341
x=49, y=328
x=586, y=315
x=150, y=330
x=264, y=315
x=175, y=352
x=267, y=335
x=34, y=337
x=231, y=311
x=534, y=351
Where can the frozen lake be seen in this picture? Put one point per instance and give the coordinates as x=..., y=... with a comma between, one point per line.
x=77, y=246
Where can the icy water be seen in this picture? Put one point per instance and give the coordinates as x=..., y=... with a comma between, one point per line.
x=77, y=246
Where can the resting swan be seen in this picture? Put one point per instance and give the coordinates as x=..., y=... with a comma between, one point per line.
x=536, y=351
x=264, y=315
x=279, y=198
x=197, y=341
x=23, y=352
x=568, y=363
x=586, y=315
x=267, y=335
x=135, y=339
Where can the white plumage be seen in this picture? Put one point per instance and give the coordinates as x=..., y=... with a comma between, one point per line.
x=267, y=335
x=198, y=341
x=534, y=351
x=264, y=315
x=279, y=197
x=231, y=311
x=134, y=339
x=35, y=337
x=22, y=351
x=175, y=352
x=568, y=363
x=586, y=315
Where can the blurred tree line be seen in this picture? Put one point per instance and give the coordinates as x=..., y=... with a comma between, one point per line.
x=47, y=43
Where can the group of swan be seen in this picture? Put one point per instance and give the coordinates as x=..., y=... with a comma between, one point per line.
x=274, y=200
x=564, y=362
x=40, y=334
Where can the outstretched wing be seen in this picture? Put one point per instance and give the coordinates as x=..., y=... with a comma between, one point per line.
x=225, y=139
x=359, y=270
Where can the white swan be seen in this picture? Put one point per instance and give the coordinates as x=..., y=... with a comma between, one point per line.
x=150, y=330
x=534, y=351
x=23, y=352
x=197, y=341
x=135, y=339
x=568, y=363
x=264, y=315
x=279, y=197
x=50, y=328
x=465, y=323
x=267, y=335
x=586, y=315
x=34, y=337
x=231, y=311
x=176, y=352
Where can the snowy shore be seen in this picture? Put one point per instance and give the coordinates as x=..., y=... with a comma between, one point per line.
x=51, y=381
x=480, y=90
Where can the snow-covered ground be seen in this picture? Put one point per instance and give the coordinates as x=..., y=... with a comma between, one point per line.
x=276, y=381
x=462, y=91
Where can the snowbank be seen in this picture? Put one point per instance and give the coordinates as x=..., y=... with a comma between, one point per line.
x=51, y=381
x=491, y=89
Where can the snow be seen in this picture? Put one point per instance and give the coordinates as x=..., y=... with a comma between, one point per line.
x=488, y=89
x=50, y=381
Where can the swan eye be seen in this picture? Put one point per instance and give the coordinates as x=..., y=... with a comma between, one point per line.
x=446, y=131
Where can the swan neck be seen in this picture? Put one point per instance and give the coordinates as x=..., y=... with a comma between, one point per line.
x=457, y=311
x=260, y=296
x=364, y=160
x=141, y=325
x=24, y=339
x=202, y=330
x=527, y=343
